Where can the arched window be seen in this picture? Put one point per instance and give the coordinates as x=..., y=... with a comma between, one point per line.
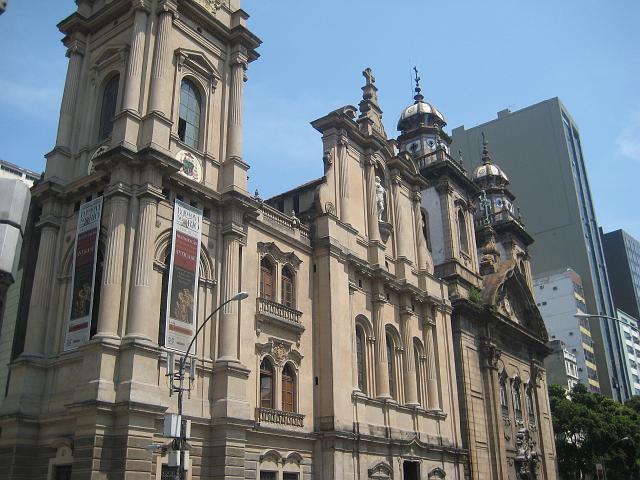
x=108, y=107
x=288, y=389
x=266, y=279
x=517, y=399
x=462, y=233
x=425, y=227
x=286, y=288
x=417, y=352
x=391, y=360
x=189, y=118
x=97, y=287
x=531, y=411
x=504, y=399
x=266, y=384
x=360, y=359
x=163, y=298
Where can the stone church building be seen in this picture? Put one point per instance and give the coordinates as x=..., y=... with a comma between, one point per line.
x=390, y=331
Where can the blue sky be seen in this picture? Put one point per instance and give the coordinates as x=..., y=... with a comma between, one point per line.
x=475, y=59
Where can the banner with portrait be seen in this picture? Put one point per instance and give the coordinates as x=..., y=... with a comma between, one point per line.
x=83, y=274
x=182, y=292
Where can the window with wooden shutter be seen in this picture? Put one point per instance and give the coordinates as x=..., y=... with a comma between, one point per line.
x=287, y=288
x=288, y=389
x=266, y=279
x=266, y=384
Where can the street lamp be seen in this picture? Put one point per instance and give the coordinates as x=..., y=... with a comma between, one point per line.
x=180, y=442
x=604, y=462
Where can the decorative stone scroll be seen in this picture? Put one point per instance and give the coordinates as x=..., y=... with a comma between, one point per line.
x=281, y=257
x=280, y=350
x=490, y=353
x=211, y=6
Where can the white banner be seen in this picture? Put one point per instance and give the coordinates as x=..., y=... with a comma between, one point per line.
x=83, y=274
x=182, y=294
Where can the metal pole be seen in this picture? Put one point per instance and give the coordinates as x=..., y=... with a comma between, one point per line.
x=181, y=441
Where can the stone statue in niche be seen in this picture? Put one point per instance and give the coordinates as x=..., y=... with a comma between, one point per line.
x=380, y=196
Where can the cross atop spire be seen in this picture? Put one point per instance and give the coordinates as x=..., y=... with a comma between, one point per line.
x=418, y=96
x=485, y=151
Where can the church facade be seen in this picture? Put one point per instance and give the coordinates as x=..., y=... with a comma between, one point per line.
x=389, y=331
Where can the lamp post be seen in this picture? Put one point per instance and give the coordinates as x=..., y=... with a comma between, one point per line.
x=179, y=443
x=616, y=384
x=604, y=462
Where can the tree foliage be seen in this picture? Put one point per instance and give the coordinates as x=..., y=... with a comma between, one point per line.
x=592, y=428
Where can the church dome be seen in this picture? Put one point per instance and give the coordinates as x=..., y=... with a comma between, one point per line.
x=489, y=173
x=417, y=111
x=420, y=112
x=489, y=170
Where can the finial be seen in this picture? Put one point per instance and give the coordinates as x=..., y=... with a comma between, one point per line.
x=418, y=96
x=485, y=151
x=368, y=75
x=460, y=159
x=369, y=91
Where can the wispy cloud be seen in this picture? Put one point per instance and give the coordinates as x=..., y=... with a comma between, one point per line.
x=628, y=141
x=35, y=101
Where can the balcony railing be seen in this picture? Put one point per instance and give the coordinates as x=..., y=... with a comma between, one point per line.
x=279, y=417
x=276, y=216
x=278, y=310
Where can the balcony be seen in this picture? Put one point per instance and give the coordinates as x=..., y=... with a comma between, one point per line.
x=279, y=417
x=279, y=314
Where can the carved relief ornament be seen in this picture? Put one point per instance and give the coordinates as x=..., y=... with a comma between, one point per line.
x=490, y=353
x=280, y=350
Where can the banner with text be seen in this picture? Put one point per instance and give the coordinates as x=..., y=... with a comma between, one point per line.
x=83, y=274
x=182, y=297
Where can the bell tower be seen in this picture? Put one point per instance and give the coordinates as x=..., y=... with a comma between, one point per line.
x=498, y=222
x=448, y=199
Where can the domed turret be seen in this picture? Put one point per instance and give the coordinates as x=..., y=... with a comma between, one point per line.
x=489, y=175
x=421, y=126
x=492, y=181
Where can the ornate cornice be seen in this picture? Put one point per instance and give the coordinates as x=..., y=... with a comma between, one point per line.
x=272, y=249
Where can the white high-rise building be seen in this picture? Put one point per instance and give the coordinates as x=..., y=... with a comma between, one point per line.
x=630, y=338
x=560, y=296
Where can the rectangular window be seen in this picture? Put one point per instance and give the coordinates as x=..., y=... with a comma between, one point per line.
x=290, y=476
x=267, y=475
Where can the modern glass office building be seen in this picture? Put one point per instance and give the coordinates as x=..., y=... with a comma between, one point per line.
x=541, y=148
x=622, y=253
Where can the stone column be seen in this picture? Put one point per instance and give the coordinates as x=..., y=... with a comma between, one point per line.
x=67, y=109
x=445, y=191
x=229, y=322
x=433, y=400
x=372, y=202
x=234, y=134
x=421, y=247
x=382, y=368
x=131, y=94
x=161, y=90
x=139, y=323
x=408, y=363
x=41, y=292
x=111, y=290
x=400, y=217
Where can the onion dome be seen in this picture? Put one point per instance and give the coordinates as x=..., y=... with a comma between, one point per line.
x=420, y=113
x=488, y=171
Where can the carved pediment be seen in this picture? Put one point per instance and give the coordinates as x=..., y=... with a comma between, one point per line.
x=508, y=292
x=281, y=257
x=114, y=54
x=437, y=473
x=197, y=63
x=280, y=351
x=381, y=471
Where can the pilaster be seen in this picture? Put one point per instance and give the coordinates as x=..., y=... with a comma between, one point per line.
x=234, y=174
x=382, y=368
x=117, y=204
x=408, y=361
x=433, y=398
